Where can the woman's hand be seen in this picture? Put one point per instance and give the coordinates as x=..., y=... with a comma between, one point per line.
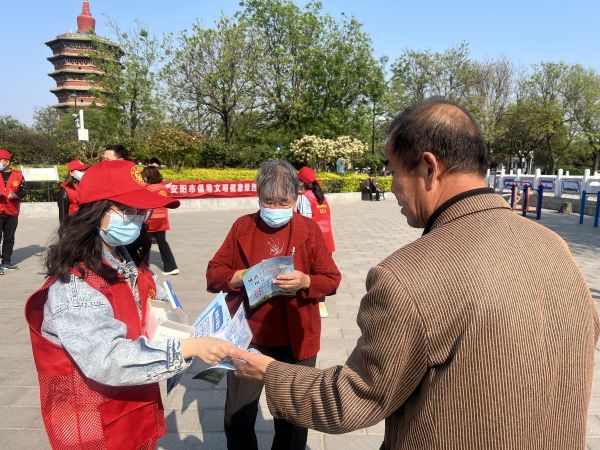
x=210, y=350
x=237, y=280
x=292, y=282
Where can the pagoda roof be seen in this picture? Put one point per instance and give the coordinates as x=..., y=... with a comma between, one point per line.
x=82, y=71
x=76, y=88
x=82, y=37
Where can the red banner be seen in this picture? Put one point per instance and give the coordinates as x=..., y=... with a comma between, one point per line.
x=211, y=189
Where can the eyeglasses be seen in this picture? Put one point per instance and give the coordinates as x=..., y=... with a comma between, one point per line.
x=133, y=214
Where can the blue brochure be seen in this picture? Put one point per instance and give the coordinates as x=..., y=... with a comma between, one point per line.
x=258, y=279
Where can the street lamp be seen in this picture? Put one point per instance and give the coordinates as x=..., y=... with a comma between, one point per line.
x=73, y=95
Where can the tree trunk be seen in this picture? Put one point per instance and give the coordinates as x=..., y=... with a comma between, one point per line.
x=596, y=160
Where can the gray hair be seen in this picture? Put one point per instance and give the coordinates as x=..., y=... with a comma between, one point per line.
x=277, y=179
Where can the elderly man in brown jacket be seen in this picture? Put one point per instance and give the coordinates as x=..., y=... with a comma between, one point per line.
x=459, y=349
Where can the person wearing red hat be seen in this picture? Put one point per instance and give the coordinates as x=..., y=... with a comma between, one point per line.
x=312, y=203
x=98, y=372
x=68, y=196
x=158, y=224
x=12, y=190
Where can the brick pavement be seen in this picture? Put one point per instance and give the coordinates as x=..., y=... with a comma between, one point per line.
x=365, y=233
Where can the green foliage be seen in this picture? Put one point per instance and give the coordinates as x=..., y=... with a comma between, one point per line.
x=175, y=147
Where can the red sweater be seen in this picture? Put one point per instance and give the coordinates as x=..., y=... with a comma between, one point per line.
x=238, y=251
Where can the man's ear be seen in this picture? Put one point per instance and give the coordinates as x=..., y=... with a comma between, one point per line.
x=430, y=168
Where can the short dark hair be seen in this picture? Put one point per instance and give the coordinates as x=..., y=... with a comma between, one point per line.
x=154, y=161
x=120, y=151
x=442, y=127
x=151, y=175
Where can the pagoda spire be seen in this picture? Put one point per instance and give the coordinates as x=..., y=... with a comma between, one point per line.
x=85, y=21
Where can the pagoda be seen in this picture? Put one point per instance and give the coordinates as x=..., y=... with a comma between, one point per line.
x=74, y=69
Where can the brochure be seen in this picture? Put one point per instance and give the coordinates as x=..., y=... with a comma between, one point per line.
x=238, y=333
x=214, y=317
x=258, y=279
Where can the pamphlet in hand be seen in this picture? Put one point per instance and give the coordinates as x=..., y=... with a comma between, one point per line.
x=213, y=319
x=238, y=333
x=258, y=279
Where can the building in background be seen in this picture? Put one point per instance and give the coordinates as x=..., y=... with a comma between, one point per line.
x=74, y=69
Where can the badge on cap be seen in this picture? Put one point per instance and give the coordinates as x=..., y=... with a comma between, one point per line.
x=137, y=176
x=163, y=193
x=15, y=183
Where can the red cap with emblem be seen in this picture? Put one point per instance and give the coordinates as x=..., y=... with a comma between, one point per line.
x=121, y=182
x=4, y=154
x=76, y=164
x=307, y=175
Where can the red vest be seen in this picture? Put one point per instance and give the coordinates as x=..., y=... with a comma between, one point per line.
x=322, y=216
x=8, y=206
x=159, y=221
x=79, y=413
x=73, y=195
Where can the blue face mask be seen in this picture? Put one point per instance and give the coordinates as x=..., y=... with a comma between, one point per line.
x=276, y=218
x=121, y=232
x=78, y=175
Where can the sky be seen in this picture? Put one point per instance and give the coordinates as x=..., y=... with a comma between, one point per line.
x=525, y=31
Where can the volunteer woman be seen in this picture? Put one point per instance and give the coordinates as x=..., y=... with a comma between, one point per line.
x=68, y=196
x=312, y=203
x=158, y=223
x=98, y=373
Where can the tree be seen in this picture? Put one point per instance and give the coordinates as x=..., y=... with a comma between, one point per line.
x=417, y=75
x=492, y=93
x=212, y=74
x=341, y=101
x=584, y=102
x=285, y=36
x=551, y=88
x=46, y=120
x=10, y=123
x=174, y=146
x=130, y=88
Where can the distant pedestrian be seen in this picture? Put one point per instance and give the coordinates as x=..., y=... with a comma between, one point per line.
x=158, y=223
x=12, y=191
x=115, y=152
x=318, y=210
x=154, y=162
x=68, y=196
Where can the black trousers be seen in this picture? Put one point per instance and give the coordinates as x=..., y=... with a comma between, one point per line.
x=8, y=227
x=241, y=408
x=165, y=251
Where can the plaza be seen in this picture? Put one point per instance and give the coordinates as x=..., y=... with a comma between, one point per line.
x=365, y=233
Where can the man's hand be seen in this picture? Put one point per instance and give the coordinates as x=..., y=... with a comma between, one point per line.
x=251, y=366
x=293, y=282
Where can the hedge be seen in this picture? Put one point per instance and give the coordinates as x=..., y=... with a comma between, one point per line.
x=331, y=182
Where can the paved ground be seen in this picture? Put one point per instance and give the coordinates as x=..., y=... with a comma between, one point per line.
x=195, y=409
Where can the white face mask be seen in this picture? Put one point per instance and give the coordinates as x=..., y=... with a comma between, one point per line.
x=3, y=166
x=78, y=175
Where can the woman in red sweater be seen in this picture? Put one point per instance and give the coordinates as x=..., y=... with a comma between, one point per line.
x=285, y=327
x=158, y=223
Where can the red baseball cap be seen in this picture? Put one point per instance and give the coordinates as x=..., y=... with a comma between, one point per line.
x=76, y=164
x=307, y=175
x=120, y=181
x=4, y=154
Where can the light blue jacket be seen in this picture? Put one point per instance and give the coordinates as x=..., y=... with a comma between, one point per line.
x=81, y=319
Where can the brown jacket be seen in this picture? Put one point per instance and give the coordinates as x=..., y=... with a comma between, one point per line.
x=479, y=335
